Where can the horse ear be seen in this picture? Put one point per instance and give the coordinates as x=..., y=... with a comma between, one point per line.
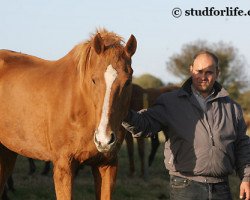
x=98, y=44
x=131, y=45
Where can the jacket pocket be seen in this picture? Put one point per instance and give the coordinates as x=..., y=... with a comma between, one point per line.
x=220, y=164
x=169, y=158
x=229, y=158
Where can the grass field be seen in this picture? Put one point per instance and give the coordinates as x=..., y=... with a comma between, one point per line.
x=38, y=187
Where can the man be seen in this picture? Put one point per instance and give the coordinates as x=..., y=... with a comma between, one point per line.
x=207, y=135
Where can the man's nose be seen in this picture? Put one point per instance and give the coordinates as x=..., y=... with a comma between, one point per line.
x=203, y=76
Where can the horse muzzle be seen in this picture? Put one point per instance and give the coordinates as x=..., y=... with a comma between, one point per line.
x=103, y=142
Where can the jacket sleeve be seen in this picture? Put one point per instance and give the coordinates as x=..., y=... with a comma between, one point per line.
x=147, y=122
x=242, y=147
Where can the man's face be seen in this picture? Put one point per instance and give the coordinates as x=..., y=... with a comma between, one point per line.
x=204, y=73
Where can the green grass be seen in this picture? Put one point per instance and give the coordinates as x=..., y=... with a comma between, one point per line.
x=38, y=187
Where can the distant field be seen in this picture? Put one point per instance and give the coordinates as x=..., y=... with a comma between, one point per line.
x=38, y=187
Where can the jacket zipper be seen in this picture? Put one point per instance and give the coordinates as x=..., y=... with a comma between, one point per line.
x=209, y=129
x=204, y=122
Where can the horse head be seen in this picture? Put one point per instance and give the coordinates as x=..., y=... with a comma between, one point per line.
x=108, y=83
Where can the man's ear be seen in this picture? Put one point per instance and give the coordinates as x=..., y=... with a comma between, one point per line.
x=217, y=72
x=190, y=68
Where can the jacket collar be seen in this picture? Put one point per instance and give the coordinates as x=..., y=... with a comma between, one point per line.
x=186, y=90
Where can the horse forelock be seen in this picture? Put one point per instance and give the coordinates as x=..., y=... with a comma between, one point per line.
x=83, y=51
x=109, y=38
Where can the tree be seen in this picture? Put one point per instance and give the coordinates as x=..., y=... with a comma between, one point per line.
x=231, y=64
x=147, y=81
x=244, y=101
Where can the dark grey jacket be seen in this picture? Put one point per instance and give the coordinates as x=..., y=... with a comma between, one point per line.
x=203, y=146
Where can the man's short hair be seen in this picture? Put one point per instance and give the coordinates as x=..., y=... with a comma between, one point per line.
x=215, y=58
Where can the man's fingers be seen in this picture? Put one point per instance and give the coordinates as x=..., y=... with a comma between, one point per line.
x=242, y=193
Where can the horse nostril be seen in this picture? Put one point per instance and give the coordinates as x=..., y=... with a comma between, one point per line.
x=112, y=140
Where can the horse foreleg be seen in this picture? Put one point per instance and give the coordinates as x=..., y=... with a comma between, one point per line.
x=5, y=195
x=154, y=146
x=130, y=148
x=32, y=166
x=10, y=184
x=7, y=163
x=63, y=178
x=46, y=168
x=104, y=176
x=141, y=152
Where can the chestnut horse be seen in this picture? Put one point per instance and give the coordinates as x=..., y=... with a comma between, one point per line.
x=143, y=98
x=67, y=111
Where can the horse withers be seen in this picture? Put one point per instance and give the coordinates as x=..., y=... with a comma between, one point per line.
x=67, y=111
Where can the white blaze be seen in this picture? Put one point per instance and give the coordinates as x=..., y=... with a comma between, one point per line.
x=109, y=76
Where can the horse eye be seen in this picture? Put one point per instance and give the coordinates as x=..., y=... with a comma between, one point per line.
x=93, y=80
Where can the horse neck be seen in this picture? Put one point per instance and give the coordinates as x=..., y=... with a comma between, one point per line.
x=79, y=105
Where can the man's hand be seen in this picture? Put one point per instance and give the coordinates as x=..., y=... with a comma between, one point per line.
x=245, y=190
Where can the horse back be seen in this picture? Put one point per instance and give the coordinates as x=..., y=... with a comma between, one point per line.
x=10, y=58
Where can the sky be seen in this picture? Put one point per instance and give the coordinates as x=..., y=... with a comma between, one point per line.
x=49, y=29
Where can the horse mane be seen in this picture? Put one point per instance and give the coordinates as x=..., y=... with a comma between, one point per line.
x=83, y=51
